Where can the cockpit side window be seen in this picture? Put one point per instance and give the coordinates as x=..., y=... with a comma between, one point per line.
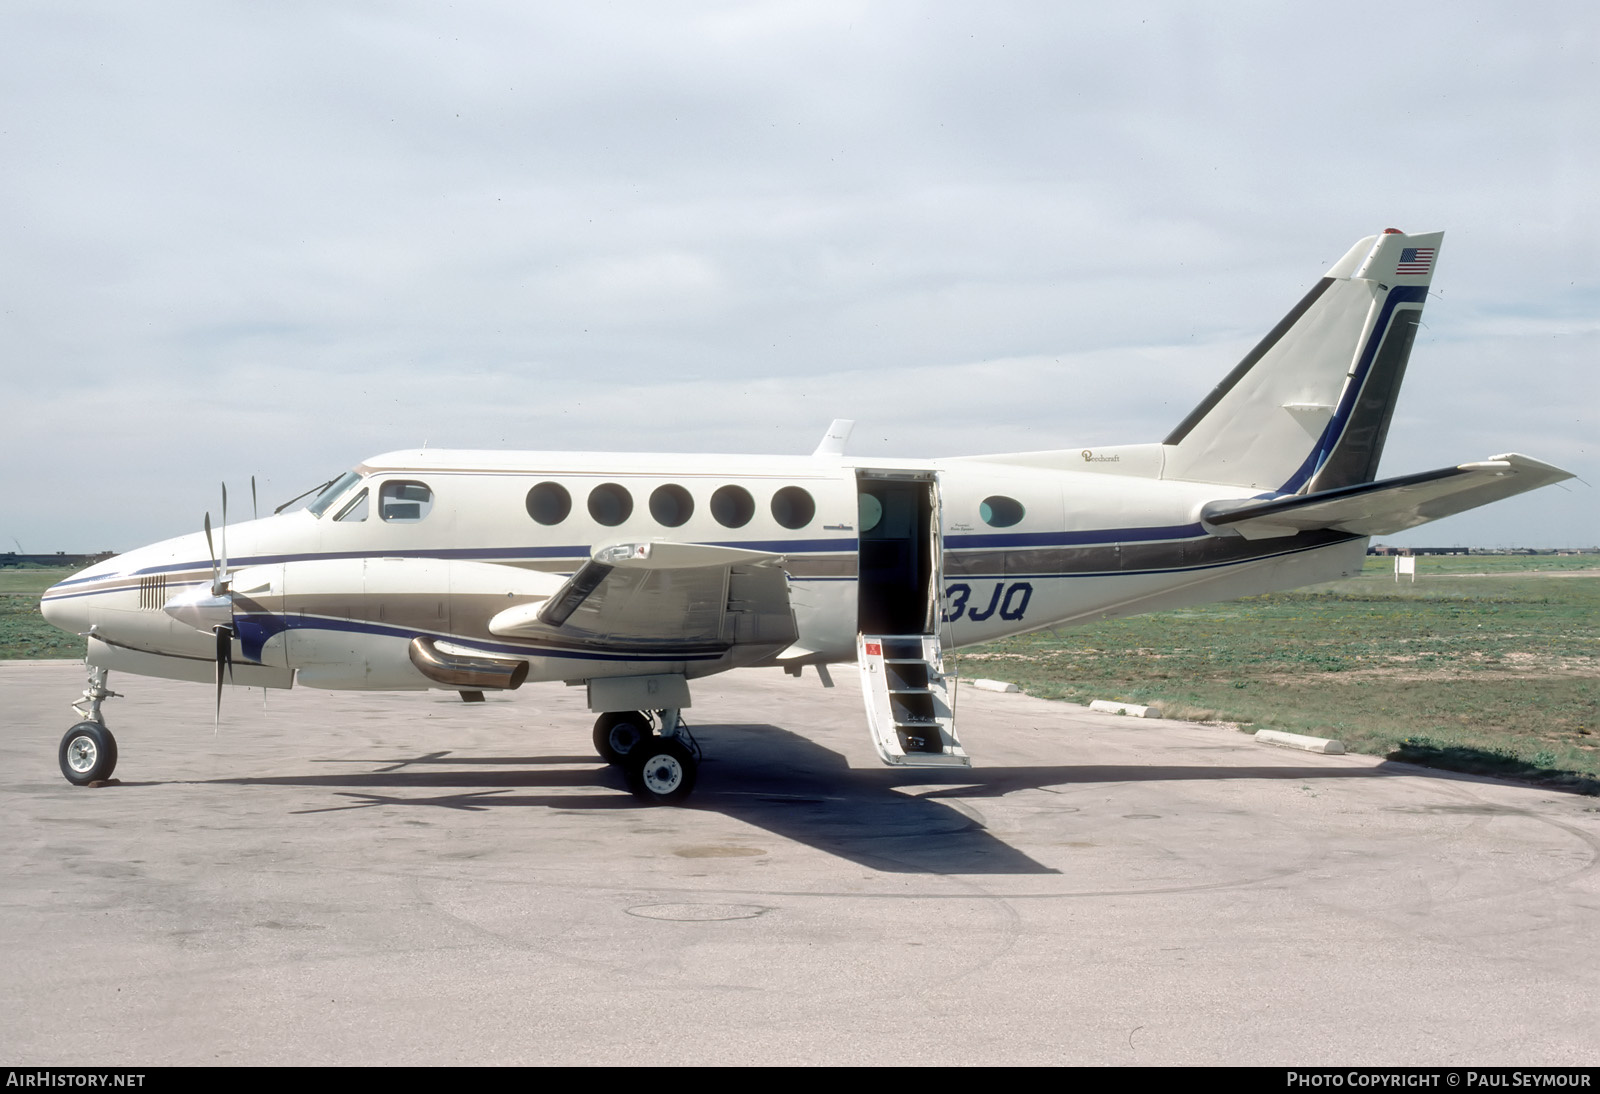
x=335, y=488
x=355, y=510
x=404, y=501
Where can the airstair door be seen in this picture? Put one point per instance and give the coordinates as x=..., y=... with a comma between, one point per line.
x=910, y=701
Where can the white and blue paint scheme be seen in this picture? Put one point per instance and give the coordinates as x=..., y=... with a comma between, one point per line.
x=635, y=574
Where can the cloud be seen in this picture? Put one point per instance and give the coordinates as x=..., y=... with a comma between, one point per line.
x=247, y=240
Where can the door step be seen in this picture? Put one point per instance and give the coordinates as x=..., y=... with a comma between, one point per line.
x=910, y=701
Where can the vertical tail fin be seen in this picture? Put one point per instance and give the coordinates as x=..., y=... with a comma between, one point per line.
x=1308, y=409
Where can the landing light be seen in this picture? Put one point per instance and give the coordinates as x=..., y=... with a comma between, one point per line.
x=621, y=552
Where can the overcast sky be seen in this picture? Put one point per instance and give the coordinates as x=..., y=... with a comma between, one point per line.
x=272, y=239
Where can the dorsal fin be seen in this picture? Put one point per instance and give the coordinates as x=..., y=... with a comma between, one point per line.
x=833, y=441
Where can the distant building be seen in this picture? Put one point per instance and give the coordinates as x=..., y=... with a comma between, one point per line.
x=1385, y=549
x=1382, y=549
x=60, y=558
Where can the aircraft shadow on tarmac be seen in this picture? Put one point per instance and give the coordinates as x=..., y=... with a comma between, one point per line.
x=776, y=780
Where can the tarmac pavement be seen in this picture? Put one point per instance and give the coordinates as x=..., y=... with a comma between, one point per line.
x=346, y=878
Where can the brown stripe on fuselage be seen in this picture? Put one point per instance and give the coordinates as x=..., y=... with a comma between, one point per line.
x=1147, y=557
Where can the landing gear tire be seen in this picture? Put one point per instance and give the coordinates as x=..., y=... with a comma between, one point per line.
x=661, y=772
x=88, y=753
x=618, y=733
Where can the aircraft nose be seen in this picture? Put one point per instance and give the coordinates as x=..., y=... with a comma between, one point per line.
x=71, y=603
x=62, y=608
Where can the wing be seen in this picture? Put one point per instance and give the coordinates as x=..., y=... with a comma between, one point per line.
x=1389, y=505
x=665, y=598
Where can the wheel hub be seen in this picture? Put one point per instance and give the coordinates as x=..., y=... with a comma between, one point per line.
x=662, y=774
x=82, y=754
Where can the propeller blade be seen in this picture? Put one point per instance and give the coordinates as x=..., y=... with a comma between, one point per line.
x=222, y=568
x=221, y=633
x=224, y=657
x=211, y=549
x=255, y=510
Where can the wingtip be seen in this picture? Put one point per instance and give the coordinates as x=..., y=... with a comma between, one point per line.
x=1524, y=465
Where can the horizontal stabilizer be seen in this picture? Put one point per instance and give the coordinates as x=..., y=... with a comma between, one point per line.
x=1391, y=505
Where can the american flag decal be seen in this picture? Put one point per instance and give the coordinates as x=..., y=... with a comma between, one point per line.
x=1415, y=260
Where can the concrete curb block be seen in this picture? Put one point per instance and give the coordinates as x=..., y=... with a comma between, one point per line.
x=993, y=685
x=1132, y=710
x=1298, y=740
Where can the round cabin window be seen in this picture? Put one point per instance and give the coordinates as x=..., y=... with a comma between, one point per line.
x=733, y=506
x=1000, y=511
x=610, y=504
x=671, y=505
x=549, y=503
x=793, y=507
x=870, y=510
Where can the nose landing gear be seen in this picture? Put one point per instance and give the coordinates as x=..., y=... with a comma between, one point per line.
x=88, y=752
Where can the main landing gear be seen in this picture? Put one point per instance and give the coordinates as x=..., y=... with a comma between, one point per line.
x=619, y=732
x=657, y=754
x=88, y=752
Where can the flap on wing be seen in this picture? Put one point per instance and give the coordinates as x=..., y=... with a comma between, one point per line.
x=1389, y=505
x=663, y=597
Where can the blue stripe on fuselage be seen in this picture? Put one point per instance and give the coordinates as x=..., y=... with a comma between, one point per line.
x=270, y=624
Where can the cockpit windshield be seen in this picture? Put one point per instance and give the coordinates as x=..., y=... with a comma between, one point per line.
x=331, y=494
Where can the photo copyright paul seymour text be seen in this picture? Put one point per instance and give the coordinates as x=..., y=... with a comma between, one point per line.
x=1473, y=1080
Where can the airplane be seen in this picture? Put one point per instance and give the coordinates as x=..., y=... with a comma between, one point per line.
x=631, y=575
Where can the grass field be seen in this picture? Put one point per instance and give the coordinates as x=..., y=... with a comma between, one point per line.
x=23, y=631
x=1487, y=663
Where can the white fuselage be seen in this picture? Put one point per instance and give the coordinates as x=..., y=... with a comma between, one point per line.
x=334, y=599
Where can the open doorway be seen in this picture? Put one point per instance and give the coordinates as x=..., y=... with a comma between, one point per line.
x=898, y=568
